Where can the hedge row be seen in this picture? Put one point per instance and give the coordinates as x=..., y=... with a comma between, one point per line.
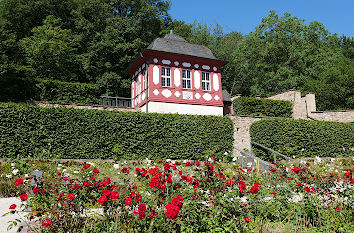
x=37, y=132
x=68, y=92
x=16, y=89
x=262, y=107
x=302, y=138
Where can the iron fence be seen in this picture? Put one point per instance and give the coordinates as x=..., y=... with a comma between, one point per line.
x=115, y=101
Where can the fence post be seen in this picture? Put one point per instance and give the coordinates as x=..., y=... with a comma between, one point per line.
x=275, y=157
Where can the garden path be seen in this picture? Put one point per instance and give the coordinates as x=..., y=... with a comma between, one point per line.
x=4, y=208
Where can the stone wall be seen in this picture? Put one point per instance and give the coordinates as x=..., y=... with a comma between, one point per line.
x=305, y=108
x=79, y=106
x=242, y=138
x=339, y=116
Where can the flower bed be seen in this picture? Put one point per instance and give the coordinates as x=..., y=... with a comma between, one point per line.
x=188, y=196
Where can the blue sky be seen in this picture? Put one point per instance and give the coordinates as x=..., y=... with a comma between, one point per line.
x=243, y=16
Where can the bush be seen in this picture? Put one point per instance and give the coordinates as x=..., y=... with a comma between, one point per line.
x=68, y=92
x=38, y=132
x=262, y=107
x=302, y=138
x=17, y=89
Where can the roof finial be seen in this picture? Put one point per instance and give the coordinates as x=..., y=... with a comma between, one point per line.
x=171, y=31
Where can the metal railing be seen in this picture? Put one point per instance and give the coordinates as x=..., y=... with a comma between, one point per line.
x=275, y=153
x=115, y=101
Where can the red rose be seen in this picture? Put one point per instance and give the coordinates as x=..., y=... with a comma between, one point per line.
x=95, y=170
x=106, y=192
x=86, y=184
x=197, y=163
x=23, y=197
x=76, y=186
x=142, y=207
x=172, y=211
x=274, y=193
x=247, y=219
x=214, y=158
x=347, y=174
x=296, y=170
x=337, y=209
x=46, y=223
x=128, y=201
x=298, y=184
x=102, y=200
x=18, y=181
x=114, y=195
x=180, y=198
x=331, y=174
x=254, y=188
x=85, y=166
x=141, y=215
x=13, y=206
x=58, y=173
x=153, y=213
x=60, y=197
x=65, y=178
x=138, y=197
x=71, y=196
x=176, y=202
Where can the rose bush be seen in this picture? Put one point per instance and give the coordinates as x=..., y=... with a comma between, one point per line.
x=191, y=196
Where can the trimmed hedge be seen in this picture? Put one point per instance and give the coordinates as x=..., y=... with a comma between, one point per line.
x=262, y=107
x=16, y=89
x=37, y=132
x=303, y=138
x=67, y=92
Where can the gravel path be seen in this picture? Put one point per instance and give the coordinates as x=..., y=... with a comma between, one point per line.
x=4, y=208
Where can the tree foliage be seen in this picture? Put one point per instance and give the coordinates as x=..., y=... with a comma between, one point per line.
x=94, y=41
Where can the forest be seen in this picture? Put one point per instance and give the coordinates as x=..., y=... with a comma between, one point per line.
x=94, y=41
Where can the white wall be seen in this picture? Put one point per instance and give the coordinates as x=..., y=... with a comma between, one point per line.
x=162, y=107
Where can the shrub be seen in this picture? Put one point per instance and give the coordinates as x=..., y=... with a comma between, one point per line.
x=189, y=197
x=262, y=107
x=38, y=132
x=68, y=92
x=303, y=138
x=17, y=89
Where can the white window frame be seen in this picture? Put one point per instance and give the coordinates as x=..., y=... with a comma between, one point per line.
x=144, y=80
x=206, y=83
x=165, y=79
x=186, y=77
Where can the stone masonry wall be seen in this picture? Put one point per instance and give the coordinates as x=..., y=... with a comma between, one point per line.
x=305, y=108
x=339, y=116
x=242, y=138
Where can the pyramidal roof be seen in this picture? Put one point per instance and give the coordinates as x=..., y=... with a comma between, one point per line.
x=172, y=43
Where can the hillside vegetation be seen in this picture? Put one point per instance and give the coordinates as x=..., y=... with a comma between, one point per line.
x=93, y=41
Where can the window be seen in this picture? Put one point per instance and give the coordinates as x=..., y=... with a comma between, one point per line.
x=205, y=81
x=144, y=80
x=165, y=76
x=186, y=79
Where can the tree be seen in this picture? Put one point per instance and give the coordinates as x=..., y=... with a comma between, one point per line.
x=284, y=53
x=51, y=51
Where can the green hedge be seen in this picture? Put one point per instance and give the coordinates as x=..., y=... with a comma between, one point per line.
x=54, y=90
x=262, y=107
x=302, y=138
x=37, y=132
x=16, y=89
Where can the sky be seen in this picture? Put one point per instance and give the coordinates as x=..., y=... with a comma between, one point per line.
x=244, y=15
